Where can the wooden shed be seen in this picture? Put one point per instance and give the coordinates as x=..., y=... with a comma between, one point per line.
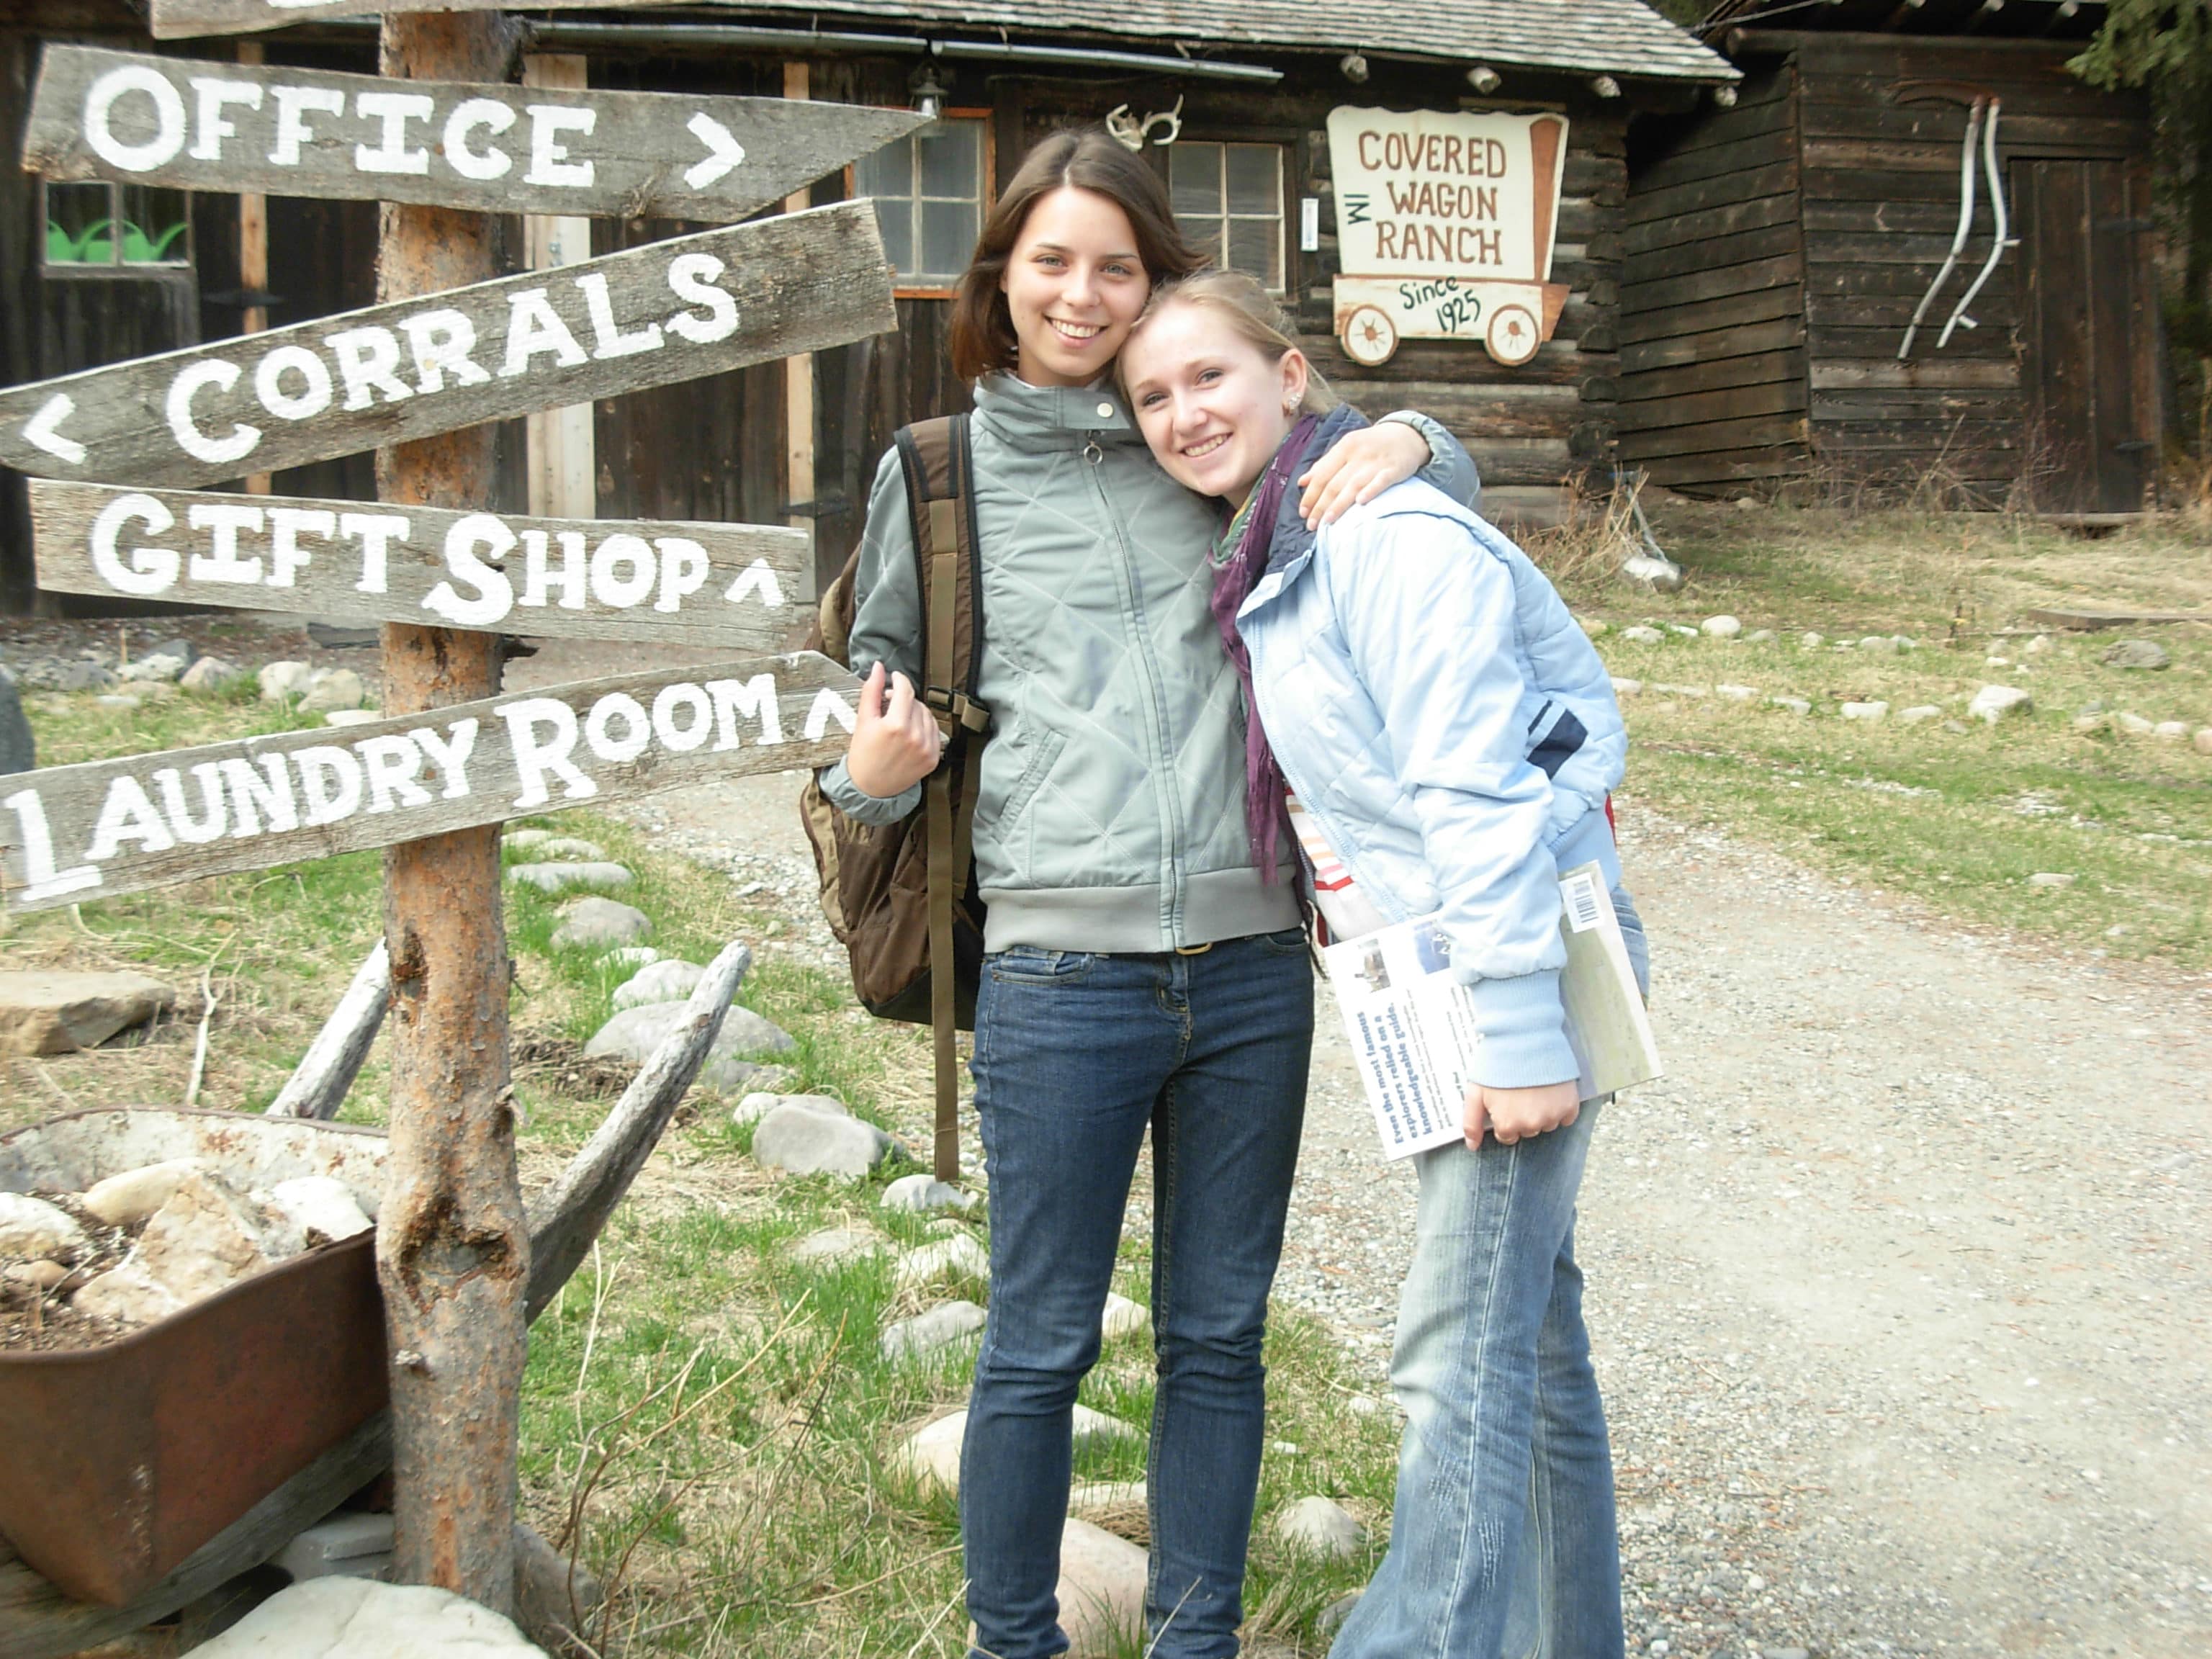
x=1508, y=331
x=1917, y=254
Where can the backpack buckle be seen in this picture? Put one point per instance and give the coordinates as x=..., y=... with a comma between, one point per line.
x=962, y=710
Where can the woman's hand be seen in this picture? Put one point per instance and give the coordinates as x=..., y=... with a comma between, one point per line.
x=896, y=740
x=1361, y=466
x=1514, y=1115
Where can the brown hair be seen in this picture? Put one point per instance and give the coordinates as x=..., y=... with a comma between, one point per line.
x=1086, y=158
x=1241, y=301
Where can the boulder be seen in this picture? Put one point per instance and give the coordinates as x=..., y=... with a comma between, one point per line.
x=2136, y=653
x=203, y=1240
x=346, y=1618
x=1993, y=703
x=210, y=677
x=1641, y=634
x=127, y=1199
x=2202, y=742
x=670, y=979
x=558, y=878
x=33, y=1230
x=57, y=1013
x=958, y=1257
x=279, y=680
x=1101, y=1591
x=931, y=1454
x=1321, y=1527
x=799, y=1140
x=2171, y=731
x=159, y=666
x=1865, y=711
x=1880, y=644
x=1721, y=628
x=182, y=649
x=759, y=1103
x=942, y=1327
x=1122, y=1318
x=925, y=1192
x=601, y=921
x=634, y=1033
x=18, y=751
x=323, y=1208
x=1812, y=642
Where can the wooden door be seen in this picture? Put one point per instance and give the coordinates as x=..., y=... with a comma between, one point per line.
x=2089, y=338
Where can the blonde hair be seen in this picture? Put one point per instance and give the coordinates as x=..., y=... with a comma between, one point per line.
x=1239, y=299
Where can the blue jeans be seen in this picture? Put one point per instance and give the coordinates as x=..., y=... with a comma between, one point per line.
x=1076, y=1055
x=1503, y=1542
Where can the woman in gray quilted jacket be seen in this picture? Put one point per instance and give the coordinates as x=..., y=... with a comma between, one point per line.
x=1140, y=973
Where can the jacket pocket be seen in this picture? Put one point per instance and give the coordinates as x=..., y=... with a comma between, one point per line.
x=1003, y=819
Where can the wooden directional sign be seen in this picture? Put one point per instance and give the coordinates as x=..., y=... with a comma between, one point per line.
x=671, y=311
x=73, y=833
x=196, y=126
x=728, y=587
x=177, y=20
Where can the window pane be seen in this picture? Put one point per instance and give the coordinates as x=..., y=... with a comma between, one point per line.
x=1257, y=246
x=1256, y=179
x=948, y=237
x=153, y=231
x=897, y=219
x=1195, y=182
x=952, y=155
x=888, y=173
x=80, y=224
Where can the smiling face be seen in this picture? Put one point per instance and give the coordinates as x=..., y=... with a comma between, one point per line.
x=1073, y=287
x=1210, y=402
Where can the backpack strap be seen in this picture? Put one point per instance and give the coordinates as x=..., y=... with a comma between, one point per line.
x=940, y=484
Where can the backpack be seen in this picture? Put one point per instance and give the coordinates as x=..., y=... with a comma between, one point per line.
x=902, y=898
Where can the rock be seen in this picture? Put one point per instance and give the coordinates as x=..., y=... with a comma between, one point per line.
x=1736, y=693
x=1795, y=705
x=634, y=1033
x=1917, y=712
x=2036, y=647
x=1880, y=644
x=1785, y=1653
x=346, y=1618
x=524, y=839
x=18, y=749
x=1641, y=634
x=1865, y=711
x=1811, y=642
x=203, y=1240
x=1363, y=1404
x=958, y=1257
x=1747, y=503
x=323, y=1208
x=799, y=1140
x=570, y=847
x=182, y=649
x=1996, y=662
x=2129, y=721
x=633, y=956
x=1760, y=637
x=925, y=1192
x=1660, y=575
x=2089, y=722
x=670, y=979
x=758, y=1104
x=41, y=1275
x=926, y=1334
x=354, y=1543
x=351, y=717
x=835, y=1244
x=1681, y=691
x=1122, y=1318
x=279, y=680
x=601, y=921
x=2051, y=878
x=1321, y=1527
x=1627, y=687
x=31, y=1229
x=163, y=668
x=1993, y=703
x=145, y=691
x=2136, y=653
x=1720, y=628
x=1904, y=641
x=1682, y=630
x=58, y=1013
x=558, y=878
x=1592, y=628
x=127, y=1199
x=931, y=1454
x=2171, y=731
x=2203, y=741
x=552, y=1594
x=1101, y=1591
x=1957, y=728
x=1330, y=1619
x=210, y=677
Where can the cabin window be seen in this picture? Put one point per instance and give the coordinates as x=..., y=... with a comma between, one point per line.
x=117, y=229
x=1229, y=200
x=929, y=193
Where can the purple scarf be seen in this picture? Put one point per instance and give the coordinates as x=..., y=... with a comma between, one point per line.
x=1237, y=569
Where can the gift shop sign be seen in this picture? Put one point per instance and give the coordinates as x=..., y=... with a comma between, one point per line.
x=1445, y=224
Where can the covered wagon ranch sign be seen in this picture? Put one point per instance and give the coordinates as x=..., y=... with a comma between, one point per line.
x=1445, y=223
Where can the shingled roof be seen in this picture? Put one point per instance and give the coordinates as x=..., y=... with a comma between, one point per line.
x=1616, y=36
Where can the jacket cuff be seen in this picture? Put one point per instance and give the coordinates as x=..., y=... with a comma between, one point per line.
x=848, y=797
x=1524, y=1032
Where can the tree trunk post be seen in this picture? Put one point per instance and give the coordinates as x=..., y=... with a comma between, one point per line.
x=452, y=1253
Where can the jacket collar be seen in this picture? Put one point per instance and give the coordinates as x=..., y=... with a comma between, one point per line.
x=1291, y=543
x=1054, y=416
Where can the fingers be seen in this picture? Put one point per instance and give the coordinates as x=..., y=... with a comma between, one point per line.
x=1314, y=486
x=872, y=696
x=898, y=708
x=1476, y=1123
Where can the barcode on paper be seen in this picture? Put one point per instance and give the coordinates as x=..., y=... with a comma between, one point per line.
x=1580, y=892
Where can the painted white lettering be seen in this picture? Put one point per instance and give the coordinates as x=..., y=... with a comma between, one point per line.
x=99, y=116
x=537, y=577
x=194, y=442
x=735, y=699
x=41, y=880
x=610, y=585
x=127, y=815
x=829, y=706
x=534, y=759
x=756, y=578
x=441, y=341
x=286, y=525
x=143, y=571
x=293, y=104
x=212, y=129
x=598, y=728
x=611, y=341
x=391, y=762
x=367, y=357
x=252, y=792
x=214, y=816
x=495, y=594
x=330, y=782
x=691, y=276
x=684, y=567
x=395, y=110
x=674, y=734
x=314, y=394
x=221, y=562
x=375, y=532
x=532, y=326
x=549, y=156
x=469, y=115
x=450, y=754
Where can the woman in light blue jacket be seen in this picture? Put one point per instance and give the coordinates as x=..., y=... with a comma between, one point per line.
x=1422, y=692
